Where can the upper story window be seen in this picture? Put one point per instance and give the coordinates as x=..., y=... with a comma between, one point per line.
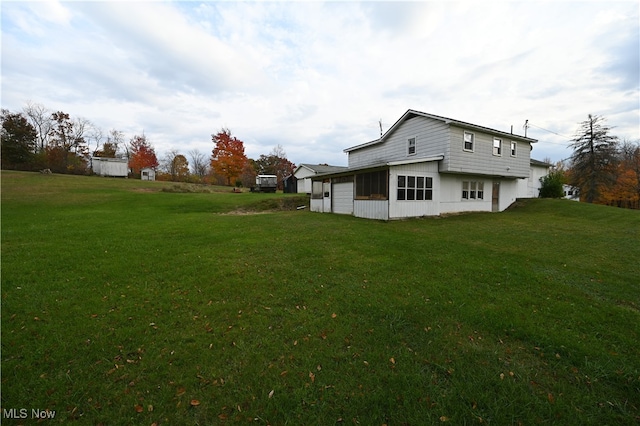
x=497, y=146
x=411, y=146
x=469, y=141
x=513, y=149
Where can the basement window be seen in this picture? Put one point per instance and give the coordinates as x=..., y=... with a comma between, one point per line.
x=472, y=190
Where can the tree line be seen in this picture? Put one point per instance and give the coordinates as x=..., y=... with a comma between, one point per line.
x=37, y=138
x=602, y=168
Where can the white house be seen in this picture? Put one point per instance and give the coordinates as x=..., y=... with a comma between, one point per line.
x=530, y=188
x=116, y=167
x=147, y=174
x=571, y=192
x=427, y=165
x=304, y=172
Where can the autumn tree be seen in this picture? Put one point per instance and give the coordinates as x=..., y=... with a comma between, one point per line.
x=630, y=152
x=276, y=163
x=593, y=158
x=66, y=149
x=176, y=166
x=248, y=174
x=141, y=154
x=18, y=140
x=227, y=158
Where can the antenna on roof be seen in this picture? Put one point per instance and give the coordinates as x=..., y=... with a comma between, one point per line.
x=380, y=123
x=525, y=127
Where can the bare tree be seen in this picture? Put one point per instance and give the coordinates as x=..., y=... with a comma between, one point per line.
x=40, y=118
x=199, y=163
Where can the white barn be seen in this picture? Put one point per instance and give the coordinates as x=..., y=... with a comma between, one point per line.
x=304, y=173
x=427, y=165
x=115, y=167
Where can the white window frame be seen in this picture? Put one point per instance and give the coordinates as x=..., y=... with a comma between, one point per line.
x=497, y=147
x=412, y=143
x=414, y=188
x=472, y=142
x=473, y=190
x=514, y=149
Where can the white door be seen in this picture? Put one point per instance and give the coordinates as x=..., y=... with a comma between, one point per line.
x=343, y=197
x=326, y=196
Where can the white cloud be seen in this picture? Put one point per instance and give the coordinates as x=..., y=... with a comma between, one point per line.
x=316, y=77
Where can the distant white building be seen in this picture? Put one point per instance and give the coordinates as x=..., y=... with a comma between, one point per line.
x=530, y=188
x=147, y=174
x=571, y=192
x=304, y=172
x=114, y=167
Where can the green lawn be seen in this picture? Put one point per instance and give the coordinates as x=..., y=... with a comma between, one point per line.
x=126, y=304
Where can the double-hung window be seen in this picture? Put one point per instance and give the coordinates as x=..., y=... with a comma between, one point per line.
x=411, y=146
x=469, y=140
x=513, y=149
x=497, y=146
x=415, y=188
x=472, y=190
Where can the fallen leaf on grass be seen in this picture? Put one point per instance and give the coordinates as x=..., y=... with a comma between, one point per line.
x=180, y=391
x=195, y=402
x=312, y=377
x=392, y=360
x=334, y=315
x=139, y=408
x=271, y=393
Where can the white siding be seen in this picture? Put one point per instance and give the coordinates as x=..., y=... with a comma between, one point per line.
x=481, y=160
x=316, y=205
x=371, y=209
x=451, y=194
x=431, y=140
x=109, y=167
x=303, y=175
x=414, y=208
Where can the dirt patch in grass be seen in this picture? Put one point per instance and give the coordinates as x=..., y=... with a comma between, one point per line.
x=271, y=205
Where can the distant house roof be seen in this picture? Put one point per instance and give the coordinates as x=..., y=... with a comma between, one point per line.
x=413, y=113
x=540, y=163
x=321, y=168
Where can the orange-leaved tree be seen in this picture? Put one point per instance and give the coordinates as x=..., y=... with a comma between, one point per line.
x=141, y=154
x=227, y=159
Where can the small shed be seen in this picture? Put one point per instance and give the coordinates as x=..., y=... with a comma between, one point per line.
x=148, y=174
x=114, y=167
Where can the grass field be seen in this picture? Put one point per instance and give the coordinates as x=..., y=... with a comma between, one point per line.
x=125, y=304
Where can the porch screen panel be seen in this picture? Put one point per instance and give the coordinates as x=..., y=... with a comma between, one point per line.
x=372, y=186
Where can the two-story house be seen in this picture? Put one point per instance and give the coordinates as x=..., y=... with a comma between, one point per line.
x=426, y=165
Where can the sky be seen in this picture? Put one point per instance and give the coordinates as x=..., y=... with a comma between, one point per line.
x=315, y=78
